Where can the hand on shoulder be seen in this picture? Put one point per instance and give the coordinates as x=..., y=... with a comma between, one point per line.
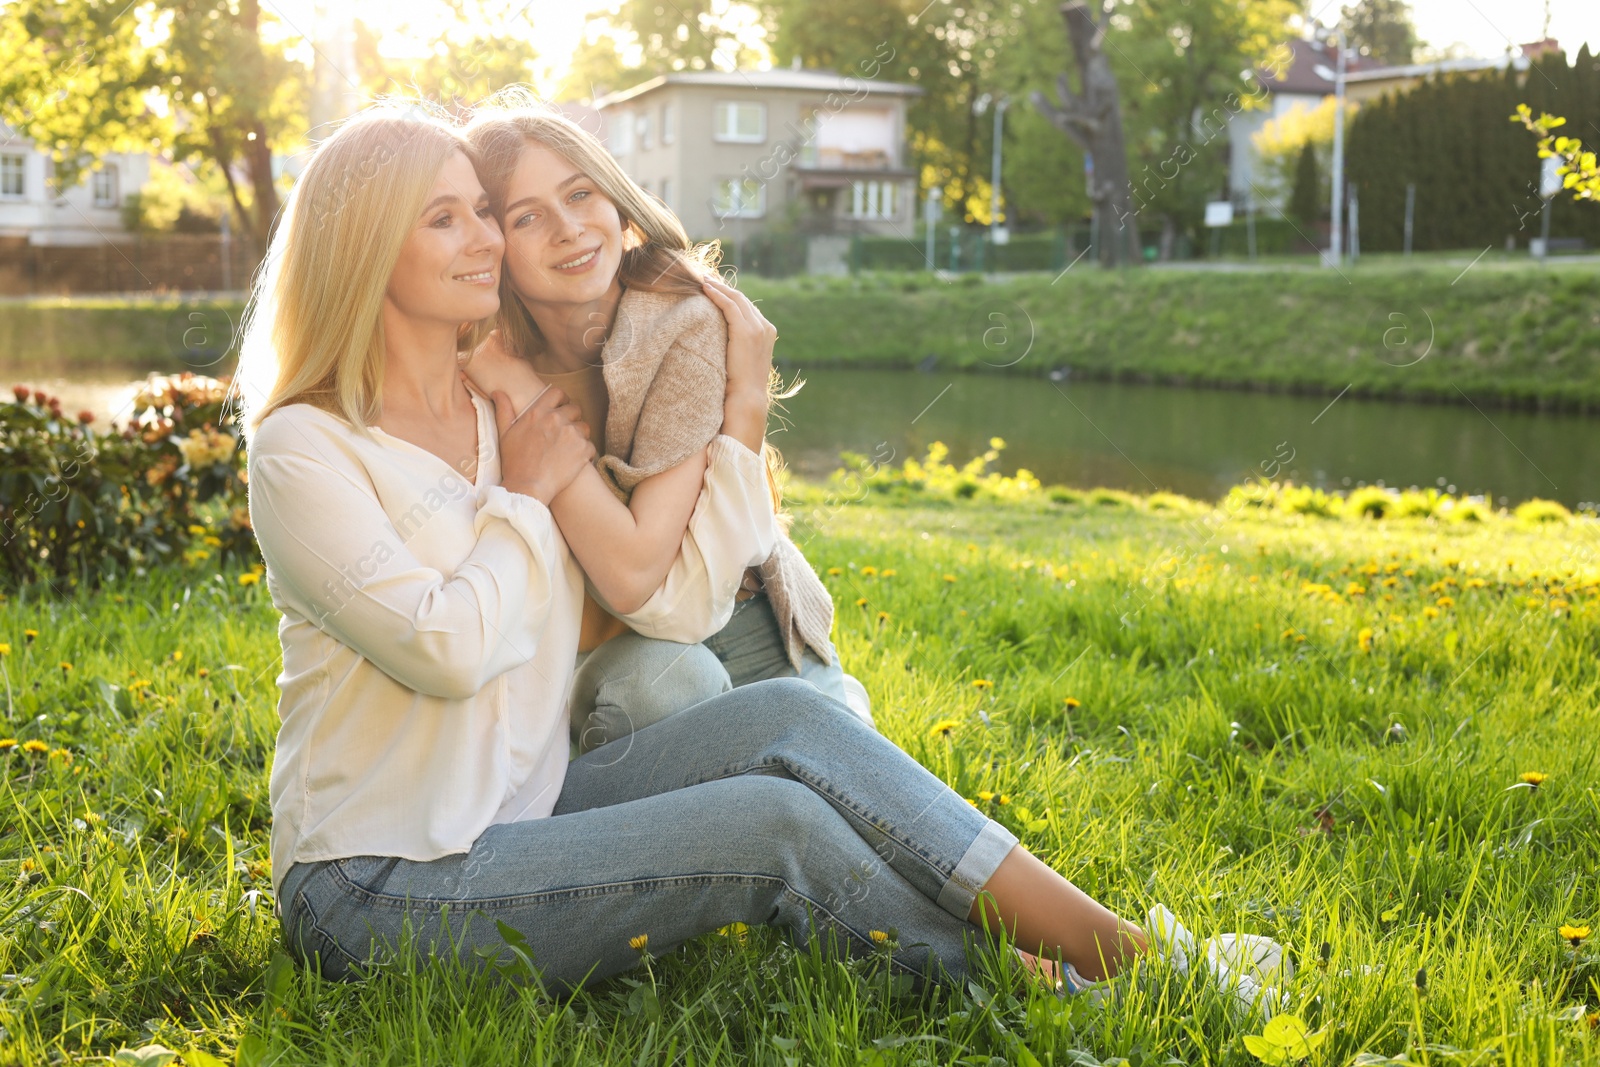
x=492, y=366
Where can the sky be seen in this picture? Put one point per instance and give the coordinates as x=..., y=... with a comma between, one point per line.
x=1484, y=27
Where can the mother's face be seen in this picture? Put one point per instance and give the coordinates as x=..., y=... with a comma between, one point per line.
x=449, y=266
x=563, y=235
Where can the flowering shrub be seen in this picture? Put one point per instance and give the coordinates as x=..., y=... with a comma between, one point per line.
x=80, y=505
x=936, y=477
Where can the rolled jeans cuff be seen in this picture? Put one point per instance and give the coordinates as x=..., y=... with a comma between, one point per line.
x=978, y=864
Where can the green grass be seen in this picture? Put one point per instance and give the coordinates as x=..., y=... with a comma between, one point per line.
x=1499, y=331
x=1368, y=801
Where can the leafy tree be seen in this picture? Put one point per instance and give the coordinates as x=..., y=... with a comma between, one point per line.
x=1279, y=142
x=1380, y=29
x=679, y=35
x=76, y=77
x=488, y=45
x=1306, y=199
x=1185, y=66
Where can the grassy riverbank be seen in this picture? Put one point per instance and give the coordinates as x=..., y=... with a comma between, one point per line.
x=1315, y=728
x=1497, y=333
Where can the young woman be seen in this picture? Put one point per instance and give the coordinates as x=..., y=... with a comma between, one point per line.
x=430, y=616
x=603, y=296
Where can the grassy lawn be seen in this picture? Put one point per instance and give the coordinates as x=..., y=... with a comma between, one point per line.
x=1248, y=739
x=1497, y=330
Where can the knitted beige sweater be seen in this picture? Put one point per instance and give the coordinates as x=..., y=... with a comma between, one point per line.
x=665, y=365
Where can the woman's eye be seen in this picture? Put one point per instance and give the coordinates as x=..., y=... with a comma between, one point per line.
x=525, y=219
x=442, y=221
x=581, y=194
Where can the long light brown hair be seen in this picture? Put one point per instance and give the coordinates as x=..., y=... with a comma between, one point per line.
x=313, y=332
x=658, y=256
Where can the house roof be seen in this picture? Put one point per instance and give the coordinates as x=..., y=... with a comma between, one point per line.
x=817, y=81
x=1312, y=66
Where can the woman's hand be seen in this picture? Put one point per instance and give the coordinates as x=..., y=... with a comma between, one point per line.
x=750, y=341
x=492, y=366
x=545, y=447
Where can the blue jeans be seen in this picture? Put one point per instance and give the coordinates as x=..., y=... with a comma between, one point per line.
x=770, y=804
x=631, y=681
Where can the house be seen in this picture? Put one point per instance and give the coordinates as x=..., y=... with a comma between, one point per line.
x=742, y=152
x=1307, y=76
x=87, y=214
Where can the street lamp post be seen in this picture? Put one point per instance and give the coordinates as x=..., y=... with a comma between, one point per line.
x=981, y=105
x=1336, y=238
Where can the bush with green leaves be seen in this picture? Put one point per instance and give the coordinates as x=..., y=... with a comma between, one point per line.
x=79, y=505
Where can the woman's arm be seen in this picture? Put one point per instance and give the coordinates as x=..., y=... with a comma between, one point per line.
x=342, y=566
x=627, y=550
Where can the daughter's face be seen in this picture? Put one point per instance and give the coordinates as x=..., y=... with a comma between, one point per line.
x=563, y=235
x=449, y=266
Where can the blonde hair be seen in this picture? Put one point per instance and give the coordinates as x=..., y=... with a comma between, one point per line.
x=313, y=332
x=657, y=256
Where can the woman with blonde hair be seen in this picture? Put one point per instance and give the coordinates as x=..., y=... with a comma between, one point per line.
x=430, y=618
x=604, y=296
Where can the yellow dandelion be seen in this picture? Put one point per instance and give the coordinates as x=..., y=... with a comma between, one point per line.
x=1390, y=582
x=65, y=666
x=63, y=754
x=950, y=578
x=7, y=744
x=5, y=649
x=985, y=795
x=982, y=683
x=1430, y=612
x=733, y=930
x=1355, y=589
x=1072, y=703
x=30, y=635
x=1364, y=639
x=35, y=746
x=203, y=672
x=890, y=573
x=861, y=602
x=639, y=942
x=1002, y=798
x=1575, y=934
x=996, y=442
x=834, y=572
x=883, y=616
x=1533, y=778
x=1447, y=602
x=878, y=936
x=177, y=654
x=1289, y=633
x=869, y=572
x=944, y=727
x=249, y=578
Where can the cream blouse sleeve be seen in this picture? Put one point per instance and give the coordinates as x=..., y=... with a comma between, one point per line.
x=732, y=529
x=337, y=559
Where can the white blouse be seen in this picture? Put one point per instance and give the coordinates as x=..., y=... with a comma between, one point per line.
x=430, y=627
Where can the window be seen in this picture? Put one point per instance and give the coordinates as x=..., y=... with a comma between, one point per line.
x=669, y=131
x=741, y=198
x=105, y=186
x=872, y=200
x=644, y=130
x=740, y=122
x=12, y=182
x=666, y=191
x=620, y=134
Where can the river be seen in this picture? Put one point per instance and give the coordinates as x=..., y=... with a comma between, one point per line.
x=1197, y=442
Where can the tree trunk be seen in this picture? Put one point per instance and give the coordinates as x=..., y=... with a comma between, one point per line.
x=1093, y=118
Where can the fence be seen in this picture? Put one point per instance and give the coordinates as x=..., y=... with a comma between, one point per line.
x=175, y=263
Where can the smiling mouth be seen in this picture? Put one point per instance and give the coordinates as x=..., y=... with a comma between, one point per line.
x=480, y=276
x=580, y=261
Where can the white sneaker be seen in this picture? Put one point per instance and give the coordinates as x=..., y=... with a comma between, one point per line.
x=1245, y=965
x=856, y=698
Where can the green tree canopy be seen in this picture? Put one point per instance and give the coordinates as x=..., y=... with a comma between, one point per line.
x=205, y=81
x=1380, y=29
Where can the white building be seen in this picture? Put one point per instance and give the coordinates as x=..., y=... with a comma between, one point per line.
x=89, y=213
